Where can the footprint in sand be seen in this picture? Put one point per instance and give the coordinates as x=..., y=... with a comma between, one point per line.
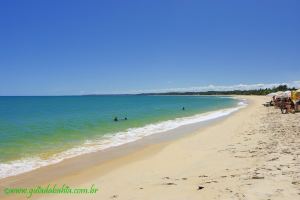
x=211, y=182
x=202, y=176
x=170, y=183
x=200, y=187
x=258, y=177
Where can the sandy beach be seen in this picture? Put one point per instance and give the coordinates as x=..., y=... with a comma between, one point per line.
x=150, y=100
x=252, y=154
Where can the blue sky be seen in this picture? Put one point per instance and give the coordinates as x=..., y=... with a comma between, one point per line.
x=80, y=47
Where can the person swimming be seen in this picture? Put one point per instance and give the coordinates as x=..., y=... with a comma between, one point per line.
x=116, y=119
x=183, y=108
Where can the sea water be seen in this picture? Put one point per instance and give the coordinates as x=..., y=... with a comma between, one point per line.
x=38, y=131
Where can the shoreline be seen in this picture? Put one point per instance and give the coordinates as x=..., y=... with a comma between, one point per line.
x=189, y=123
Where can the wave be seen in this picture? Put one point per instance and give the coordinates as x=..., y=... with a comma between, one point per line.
x=112, y=140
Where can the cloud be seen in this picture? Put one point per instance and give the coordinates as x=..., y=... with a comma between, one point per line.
x=211, y=87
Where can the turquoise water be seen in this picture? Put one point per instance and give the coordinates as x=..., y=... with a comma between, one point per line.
x=44, y=126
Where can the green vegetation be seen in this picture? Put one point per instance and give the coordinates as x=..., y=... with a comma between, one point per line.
x=233, y=92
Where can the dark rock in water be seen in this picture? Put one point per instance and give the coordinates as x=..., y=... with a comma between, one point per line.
x=200, y=187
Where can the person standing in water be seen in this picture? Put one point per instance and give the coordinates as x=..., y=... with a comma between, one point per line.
x=183, y=108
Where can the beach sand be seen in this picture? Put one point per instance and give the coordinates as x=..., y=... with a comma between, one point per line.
x=252, y=154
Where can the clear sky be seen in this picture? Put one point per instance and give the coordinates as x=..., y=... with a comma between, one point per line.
x=77, y=47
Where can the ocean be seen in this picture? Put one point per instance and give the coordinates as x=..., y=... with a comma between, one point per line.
x=38, y=131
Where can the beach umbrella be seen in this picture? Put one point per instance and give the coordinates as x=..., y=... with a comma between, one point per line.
x=271, y=94
x=295, y=95
x=279, y=94
x=287, y=93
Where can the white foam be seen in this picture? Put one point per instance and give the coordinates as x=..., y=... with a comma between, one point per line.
x=130, y=135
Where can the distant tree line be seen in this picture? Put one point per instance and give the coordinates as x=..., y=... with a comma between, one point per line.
x=233, y=92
